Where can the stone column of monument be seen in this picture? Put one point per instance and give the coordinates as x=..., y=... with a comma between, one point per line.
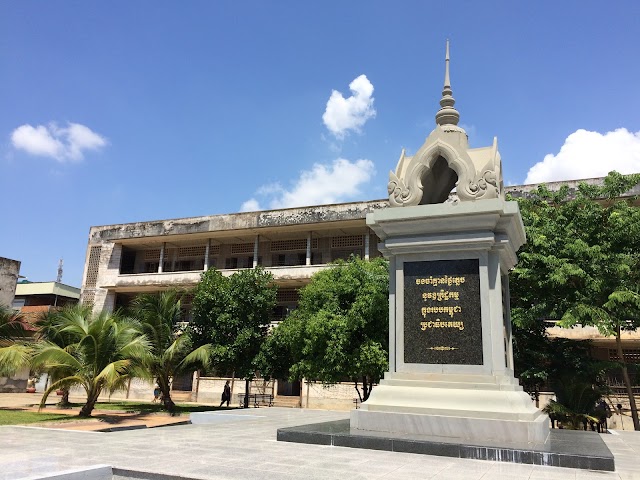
x=450, y=359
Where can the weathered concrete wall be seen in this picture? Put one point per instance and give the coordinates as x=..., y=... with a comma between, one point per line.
x=9, y=271
x=275, y=218
x=588, y=332
x=15, y=384
x=524, y=190
x=238, y=221
x=210, y=389
x=338, y=396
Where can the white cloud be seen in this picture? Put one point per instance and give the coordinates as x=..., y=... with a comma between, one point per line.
x=60, y=143
x=590, y=154
x=250, y=205
x=345, y=114
x=323, y=184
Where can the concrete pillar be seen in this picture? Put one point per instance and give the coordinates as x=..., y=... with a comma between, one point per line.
x=256, y=245
x=206, y=255
x=308, y=262
x=160, y=265
x=366, y=246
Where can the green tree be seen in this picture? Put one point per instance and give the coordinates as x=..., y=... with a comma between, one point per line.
x=48, y=331
x=581, y=262
x=533, y=356
x=171, y=353
x=14, y=352
x=340, y=329
x=576, y=402
x=543, y=363
x=232, y=314
x=101, y=353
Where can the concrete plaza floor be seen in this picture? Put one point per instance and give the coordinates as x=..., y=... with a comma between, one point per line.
x=241, y=444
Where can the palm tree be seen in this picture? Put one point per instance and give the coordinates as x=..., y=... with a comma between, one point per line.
x=171, y=353
x=14, y=354
x=576, y=402
x=97, y=353
x=48, y=330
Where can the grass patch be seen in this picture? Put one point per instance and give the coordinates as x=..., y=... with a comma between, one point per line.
x=146, y=407
x=21, y=417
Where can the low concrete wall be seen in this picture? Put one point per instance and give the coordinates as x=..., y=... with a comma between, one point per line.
x=16, y=383
x=338, y=396
x=209, y=389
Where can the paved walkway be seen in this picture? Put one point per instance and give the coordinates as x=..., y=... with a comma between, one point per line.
x=242, y=444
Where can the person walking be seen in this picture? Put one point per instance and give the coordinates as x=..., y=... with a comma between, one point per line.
x=226, y=394
x=156, y=394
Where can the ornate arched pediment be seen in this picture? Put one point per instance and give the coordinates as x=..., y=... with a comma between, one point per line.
x=417, y=182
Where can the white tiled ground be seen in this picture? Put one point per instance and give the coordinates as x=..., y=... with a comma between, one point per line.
x=245, y=447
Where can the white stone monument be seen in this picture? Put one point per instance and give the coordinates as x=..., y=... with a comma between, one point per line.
x=450, y=354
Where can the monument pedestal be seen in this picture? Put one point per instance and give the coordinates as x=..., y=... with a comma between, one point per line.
x=451, y=362
x=453, y=406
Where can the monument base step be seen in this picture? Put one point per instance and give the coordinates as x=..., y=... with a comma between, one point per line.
x=464, y=428
x=563, y=448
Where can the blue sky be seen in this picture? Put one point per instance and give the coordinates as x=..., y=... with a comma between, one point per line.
x=127, y=111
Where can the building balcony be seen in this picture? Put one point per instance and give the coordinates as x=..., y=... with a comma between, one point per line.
x=286, y=276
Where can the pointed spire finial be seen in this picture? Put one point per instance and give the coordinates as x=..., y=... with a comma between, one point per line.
x=447, y=80
x=447, y=115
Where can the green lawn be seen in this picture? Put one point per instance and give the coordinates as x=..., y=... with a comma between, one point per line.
x=20, y=417
x=146, y=407
x=10, y=416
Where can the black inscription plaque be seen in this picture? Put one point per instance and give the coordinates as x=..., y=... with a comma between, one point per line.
x=442, y=319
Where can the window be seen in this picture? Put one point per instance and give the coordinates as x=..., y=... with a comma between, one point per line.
x=18, y=303
x=151, y=267
x=92, y=266
x=347, y=241
x=231, y=262
x=127, y=261
x=346, y=254
x=279, y=260
x=242, y=248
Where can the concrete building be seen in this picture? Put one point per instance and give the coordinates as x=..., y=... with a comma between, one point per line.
x=9, y=273
x=31, y=300
x=44, y=294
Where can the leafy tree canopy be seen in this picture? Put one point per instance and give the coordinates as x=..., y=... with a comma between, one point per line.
x=340, y=329
x=233, y=315
x=581, y=262
x=14, y=354
x=581, y=247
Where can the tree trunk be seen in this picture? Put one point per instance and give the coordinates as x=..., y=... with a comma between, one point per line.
x=64, y=400
x=365, y=389
x=92, y=398
x=355, y=383
x=627, y=381
x=168, y=403
x=246, y=392
x=165, y=388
